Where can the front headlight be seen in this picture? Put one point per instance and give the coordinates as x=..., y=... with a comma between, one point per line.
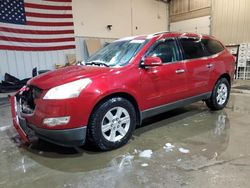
x=69, y=90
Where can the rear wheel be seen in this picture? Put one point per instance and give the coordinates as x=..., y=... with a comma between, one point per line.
x=220, y=95
x=112, y=124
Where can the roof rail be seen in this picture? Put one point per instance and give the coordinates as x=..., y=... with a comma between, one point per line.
x=160, y=32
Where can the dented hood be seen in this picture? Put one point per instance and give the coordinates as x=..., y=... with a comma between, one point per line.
x=65, y=75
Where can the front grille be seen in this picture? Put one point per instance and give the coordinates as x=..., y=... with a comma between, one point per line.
x=27, y=99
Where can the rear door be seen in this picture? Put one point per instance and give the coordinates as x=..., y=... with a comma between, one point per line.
x=196, y=62
x=166, y=83
x=215, y=59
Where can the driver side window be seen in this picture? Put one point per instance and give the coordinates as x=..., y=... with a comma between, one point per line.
x=166, y=50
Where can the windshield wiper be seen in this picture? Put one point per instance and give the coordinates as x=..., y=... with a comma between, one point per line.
x=97, y=63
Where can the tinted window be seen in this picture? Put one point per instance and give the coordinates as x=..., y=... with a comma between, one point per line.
x=167, y=51
x=192, y=48
x=212, y=46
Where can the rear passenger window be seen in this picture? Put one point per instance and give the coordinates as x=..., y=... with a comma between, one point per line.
x=192, y=48
x=212, y=46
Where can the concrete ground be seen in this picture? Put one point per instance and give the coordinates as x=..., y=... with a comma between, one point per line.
x=186, y=147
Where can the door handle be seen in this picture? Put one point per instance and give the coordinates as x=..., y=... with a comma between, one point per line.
x=209, y=65
x=179, y=71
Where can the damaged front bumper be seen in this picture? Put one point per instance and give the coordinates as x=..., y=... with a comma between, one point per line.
x=30, y=133
x=19, y=123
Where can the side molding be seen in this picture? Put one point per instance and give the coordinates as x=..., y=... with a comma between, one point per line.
x=167, y=107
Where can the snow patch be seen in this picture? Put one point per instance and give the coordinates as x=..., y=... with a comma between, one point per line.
x=178, y=160
x=168, y=147
x=215, y=155
x=146, y=153
x=144, y=164
x=204, y=149
x=183, y=150
x=4, y=128
x=135, y=151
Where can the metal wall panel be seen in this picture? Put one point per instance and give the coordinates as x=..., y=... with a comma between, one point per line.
x=20, y=64
x=199, y=4
x=231, y=20
x=187, y=9
x=195, y=25
x=184, y=6
x=179, y=7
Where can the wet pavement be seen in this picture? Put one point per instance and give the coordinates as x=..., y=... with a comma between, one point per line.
x=186, y=147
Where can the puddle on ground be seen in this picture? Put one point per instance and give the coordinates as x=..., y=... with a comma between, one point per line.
x=182, y=140
x=189, y=129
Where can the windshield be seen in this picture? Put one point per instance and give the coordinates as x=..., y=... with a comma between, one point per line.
x=117, y=53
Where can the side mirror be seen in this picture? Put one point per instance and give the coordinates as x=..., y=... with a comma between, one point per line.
x=151, y=62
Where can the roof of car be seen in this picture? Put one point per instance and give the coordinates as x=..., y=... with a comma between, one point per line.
x=179, y=34
x=164, y=34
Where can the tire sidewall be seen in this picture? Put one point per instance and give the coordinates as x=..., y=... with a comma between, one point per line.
x=101, y=111
x=214, y=94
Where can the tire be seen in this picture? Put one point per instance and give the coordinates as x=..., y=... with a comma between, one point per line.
x=222, y=88
x=111, y=124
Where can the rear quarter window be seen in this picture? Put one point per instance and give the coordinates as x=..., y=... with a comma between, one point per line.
x=212, y=46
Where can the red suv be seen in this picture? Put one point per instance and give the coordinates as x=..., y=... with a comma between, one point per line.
x=125, y=82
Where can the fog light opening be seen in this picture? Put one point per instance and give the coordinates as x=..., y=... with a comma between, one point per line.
x=56, y=121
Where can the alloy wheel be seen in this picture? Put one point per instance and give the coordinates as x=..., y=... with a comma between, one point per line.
x=222, y=94
x=115, y=124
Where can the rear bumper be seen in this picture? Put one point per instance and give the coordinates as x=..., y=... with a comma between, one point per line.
x=29, y=133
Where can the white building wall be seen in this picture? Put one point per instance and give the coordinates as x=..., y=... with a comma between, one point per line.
x=195, y=25
x=128, y=17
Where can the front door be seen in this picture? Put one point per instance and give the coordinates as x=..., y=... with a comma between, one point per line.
x=167, y=83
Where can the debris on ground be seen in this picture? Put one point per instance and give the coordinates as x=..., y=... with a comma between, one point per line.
x=168, y=147
x=183, y=150
x=146, y=153
x=135, y=151
x=144, y=164
x=178, y=160
x=11, y=83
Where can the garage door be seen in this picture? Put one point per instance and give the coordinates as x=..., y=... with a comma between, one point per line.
x=195, y=25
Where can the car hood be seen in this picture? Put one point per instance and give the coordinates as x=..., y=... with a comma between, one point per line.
x=65, y=75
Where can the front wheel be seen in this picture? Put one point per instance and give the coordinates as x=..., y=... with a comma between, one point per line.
x=112, y=124
x=220, y=95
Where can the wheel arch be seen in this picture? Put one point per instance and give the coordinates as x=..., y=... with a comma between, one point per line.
x=227, y=76
x=212, y=102
x=124, y=95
